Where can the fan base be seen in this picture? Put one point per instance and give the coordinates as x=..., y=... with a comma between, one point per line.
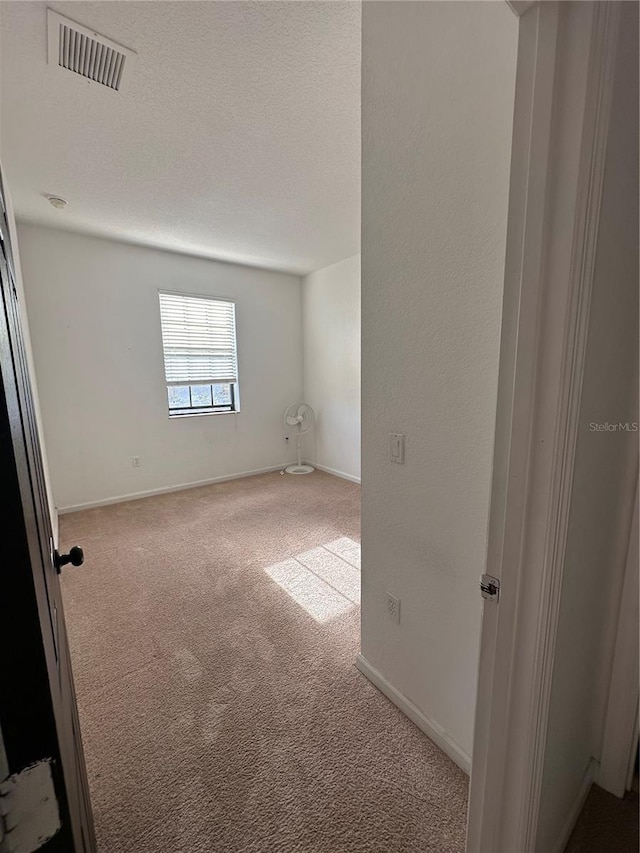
x=299, y=469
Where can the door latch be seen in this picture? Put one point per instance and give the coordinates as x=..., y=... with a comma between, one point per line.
x=490, y=588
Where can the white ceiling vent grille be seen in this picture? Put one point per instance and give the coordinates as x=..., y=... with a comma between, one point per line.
x=75, y=48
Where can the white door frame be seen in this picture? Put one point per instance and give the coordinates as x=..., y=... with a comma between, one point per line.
x=620, y=740
x=566, y=58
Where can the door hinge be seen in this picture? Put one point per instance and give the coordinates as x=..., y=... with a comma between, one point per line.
x=490, y=588
x=29, y=814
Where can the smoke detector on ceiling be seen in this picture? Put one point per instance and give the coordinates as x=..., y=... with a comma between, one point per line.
x=81, y=51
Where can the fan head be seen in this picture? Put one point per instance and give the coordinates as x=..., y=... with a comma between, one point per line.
x=299, y=415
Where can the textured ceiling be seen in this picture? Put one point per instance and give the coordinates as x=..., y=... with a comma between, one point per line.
x=238, y=136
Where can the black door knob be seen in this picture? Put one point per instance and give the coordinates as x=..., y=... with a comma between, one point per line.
x=75, y=557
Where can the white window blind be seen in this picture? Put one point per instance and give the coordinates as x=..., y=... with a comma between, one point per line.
x=199, y=339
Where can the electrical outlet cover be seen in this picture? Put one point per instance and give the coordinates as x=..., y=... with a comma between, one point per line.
x=393, y=608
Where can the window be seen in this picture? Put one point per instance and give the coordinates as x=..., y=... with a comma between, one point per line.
x=200, y=357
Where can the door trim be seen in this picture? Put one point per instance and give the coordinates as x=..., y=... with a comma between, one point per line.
x=621, y=725
x=564, y=83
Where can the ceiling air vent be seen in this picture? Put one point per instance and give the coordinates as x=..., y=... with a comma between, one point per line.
x=75, y=48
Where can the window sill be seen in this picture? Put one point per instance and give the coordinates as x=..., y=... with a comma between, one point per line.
x=201, y=414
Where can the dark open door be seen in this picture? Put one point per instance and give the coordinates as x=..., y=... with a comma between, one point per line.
x=38, y=713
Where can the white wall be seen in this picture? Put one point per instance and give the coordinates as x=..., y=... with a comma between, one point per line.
x=95, y=323
x=605, y=471
x=437, y=102
x=331, y=339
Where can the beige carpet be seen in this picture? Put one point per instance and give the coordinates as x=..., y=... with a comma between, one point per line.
x=221, y=709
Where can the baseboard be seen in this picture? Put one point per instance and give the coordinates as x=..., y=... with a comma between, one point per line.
x=336, y=473
x=574, y=814
x=432, y=730
x=134, y=496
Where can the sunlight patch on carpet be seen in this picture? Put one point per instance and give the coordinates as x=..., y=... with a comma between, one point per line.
x=324, y=581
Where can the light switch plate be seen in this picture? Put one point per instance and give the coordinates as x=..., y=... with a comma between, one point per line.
x=396, y=447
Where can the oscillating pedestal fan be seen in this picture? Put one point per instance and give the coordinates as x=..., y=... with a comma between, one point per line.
x=299, y=415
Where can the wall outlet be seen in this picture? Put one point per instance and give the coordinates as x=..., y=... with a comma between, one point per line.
x=393, y=608
x=135, y=461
